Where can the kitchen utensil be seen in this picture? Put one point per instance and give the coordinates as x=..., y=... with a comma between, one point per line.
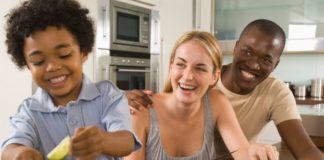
x=316, y=89
x=300, y=91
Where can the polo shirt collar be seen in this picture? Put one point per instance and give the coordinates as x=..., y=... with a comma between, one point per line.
x=42, y=101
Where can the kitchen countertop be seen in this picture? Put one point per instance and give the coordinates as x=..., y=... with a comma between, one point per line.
x=309, y=101
x=312, y=118
x=313, y=110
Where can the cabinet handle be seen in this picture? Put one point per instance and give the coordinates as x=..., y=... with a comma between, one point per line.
x=196, y=14
x=106, y=72
x=105, y=19
x=156, y=32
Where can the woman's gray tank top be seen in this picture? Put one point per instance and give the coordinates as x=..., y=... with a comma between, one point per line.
x=155, y=151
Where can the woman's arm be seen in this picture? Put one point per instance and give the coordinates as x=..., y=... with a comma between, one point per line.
x=232, y=134
x=227, y=123
x=140, y=123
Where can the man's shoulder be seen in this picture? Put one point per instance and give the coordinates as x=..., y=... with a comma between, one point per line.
x=275, y=88
x=272, y=82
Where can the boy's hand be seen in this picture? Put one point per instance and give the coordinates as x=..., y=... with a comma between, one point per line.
x=138, y=99
x=27, y=153
x=87, y=143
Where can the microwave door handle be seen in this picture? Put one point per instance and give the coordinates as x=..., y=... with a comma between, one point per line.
x=134, y=70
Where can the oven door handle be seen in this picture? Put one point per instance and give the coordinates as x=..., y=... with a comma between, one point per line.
x=133, y=70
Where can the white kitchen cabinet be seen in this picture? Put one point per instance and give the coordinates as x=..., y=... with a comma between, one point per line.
x=176, y=18
x=88, y=66
x=102, y=21
x=301, y=20
x=149, y=2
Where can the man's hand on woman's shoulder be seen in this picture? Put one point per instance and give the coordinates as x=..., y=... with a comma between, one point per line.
x=138, y=99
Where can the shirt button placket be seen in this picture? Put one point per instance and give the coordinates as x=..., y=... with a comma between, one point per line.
x=73, y=118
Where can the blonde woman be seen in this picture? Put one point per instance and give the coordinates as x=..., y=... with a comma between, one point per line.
x=182, y=121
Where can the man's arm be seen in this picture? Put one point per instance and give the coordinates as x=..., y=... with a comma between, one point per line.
x=299, y=143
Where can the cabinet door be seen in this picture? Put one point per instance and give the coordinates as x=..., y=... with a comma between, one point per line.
x=103, y=25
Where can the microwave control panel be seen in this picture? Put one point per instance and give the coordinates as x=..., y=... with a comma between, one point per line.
x=145, y=29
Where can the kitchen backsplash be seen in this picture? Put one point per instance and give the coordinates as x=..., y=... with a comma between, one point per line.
x=298, y=68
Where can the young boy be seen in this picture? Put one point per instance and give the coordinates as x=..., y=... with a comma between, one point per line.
x=52, y=38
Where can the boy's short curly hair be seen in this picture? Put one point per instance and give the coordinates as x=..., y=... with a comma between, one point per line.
x=36, y=15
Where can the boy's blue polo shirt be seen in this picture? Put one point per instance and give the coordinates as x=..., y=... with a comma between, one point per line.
x=42, y=125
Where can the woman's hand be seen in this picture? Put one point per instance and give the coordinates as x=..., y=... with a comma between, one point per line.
x=257, y=152
x=263, y=152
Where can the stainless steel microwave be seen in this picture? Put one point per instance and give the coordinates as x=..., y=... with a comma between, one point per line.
x=123, y=27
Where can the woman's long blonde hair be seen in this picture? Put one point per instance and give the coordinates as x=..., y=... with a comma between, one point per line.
x=208, y=41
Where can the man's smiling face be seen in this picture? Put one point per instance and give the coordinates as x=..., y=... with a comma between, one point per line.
x=256, y=55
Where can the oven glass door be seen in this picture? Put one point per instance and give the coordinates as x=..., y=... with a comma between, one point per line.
x=128, y=27
x=127, y=78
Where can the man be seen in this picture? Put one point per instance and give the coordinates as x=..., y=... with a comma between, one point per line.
x=257, y=96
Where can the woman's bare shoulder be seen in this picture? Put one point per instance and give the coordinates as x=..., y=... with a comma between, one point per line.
x=159, y=98
x=218, y=101
x=216, y=94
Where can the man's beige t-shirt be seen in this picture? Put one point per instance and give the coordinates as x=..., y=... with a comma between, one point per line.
x=270, y=100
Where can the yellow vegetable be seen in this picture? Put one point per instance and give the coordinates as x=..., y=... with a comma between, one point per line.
x=61, y=150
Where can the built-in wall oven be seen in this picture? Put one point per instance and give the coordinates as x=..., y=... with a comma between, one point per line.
x=126, y=69
x=127, y=46
x=129, y=72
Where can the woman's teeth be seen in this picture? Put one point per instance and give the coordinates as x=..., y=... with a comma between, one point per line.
x=187, y=87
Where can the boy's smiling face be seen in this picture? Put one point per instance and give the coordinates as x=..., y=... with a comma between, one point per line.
x=54, y=59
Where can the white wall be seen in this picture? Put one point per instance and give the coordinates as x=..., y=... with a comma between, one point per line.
x=15, y=85
x=300, y=68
